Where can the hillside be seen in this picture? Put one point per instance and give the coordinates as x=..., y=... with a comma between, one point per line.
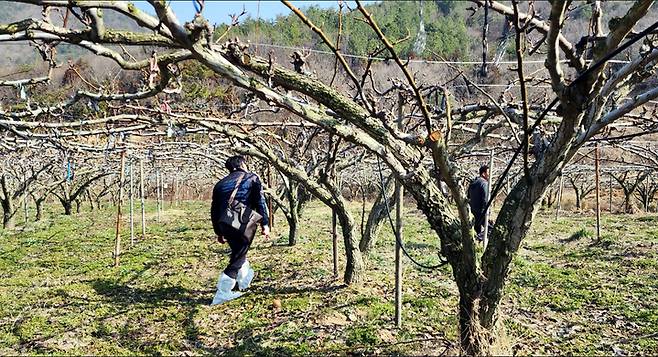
x=447, y=28
x=13, y=54
x=440, y=27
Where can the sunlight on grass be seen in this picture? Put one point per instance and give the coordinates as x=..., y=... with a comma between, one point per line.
x=60, y=293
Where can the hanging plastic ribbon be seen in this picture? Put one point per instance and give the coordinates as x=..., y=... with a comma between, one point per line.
x=93, y=105
x=198, y=6
x=69, y=171
x=23, y=94
x=170, y=131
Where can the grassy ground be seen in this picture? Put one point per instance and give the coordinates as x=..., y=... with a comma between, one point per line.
x=60, y=294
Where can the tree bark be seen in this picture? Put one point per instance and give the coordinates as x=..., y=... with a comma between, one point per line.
x=8, y=213
x=67, y=207
x=354, y=268
x=293, y=219
x=39, y=208
x=376, y=216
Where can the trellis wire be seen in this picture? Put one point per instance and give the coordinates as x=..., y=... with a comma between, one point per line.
x=396, y=233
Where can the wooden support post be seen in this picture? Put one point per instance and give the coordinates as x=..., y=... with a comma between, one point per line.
x=610, y=198
x=598, y=193
x=162, y=199
x=131, y=195
x=177, y=194
x=334, y=238
x=25, y=198
x=25, y=206
x=269, y=200
x=117, y=238
x=141, y=197
x=67, y=187
x=559, y=197
x=157, y=193
x=399, y=196
x=487, y=214
x=173, y=192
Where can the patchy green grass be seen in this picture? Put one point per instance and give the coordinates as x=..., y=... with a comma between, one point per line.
x=60, y=294
x=570, y=293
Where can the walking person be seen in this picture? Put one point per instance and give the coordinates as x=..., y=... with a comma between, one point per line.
x=242, y=187
x=477, y=195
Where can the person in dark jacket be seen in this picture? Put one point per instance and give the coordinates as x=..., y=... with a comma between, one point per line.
x=249, y=191
x=477, y=194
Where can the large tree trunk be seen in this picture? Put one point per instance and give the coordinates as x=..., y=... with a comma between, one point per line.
x=7, y=213
x=627, y=201
x=480, y=291
x=91, y=201
x=292, y=228
x=354, y=268
x=68, y=207
x=39, y=207
x=376, y=216
x=294, y=207
x=303, y=197
x=512, y=225
x=550, y=198
x=457, y=245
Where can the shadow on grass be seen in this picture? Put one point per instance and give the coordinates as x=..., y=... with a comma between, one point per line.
x=124, y=297
x=287, y=290
x=156, y=296
x=252, y=346
x=419, y=245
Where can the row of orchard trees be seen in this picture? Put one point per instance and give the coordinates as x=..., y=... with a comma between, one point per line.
x=28, y=178
x=36, y=174
x=627, y=177
x=422, y=128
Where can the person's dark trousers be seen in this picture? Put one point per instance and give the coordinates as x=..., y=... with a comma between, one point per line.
x=478, y=223
x=239, y=247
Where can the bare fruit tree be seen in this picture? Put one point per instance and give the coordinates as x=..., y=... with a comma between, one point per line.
x=425, y=153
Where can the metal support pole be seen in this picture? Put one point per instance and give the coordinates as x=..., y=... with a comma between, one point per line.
x=598, y=194
x=485, y=238
x=117, y=238
x=177, y=194
x=25, y=206
x=559, y=198
x=334, y=237
x=132, y=204
x=269, y=199
x=173, y=192
x=399, y=195
x=157, y=193
x=162, y=188
x=610, y=198
x=141, y=197
x=25, y=198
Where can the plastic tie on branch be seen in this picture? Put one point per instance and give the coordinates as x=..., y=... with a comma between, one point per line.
x=198, y=6
x=435, y=136
x=69, y=171
x=170, y=130
x=22, y=94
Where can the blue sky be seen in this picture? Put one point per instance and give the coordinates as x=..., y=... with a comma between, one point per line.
x=219, y=11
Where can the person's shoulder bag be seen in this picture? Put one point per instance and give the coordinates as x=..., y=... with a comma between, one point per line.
x=238, y=216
